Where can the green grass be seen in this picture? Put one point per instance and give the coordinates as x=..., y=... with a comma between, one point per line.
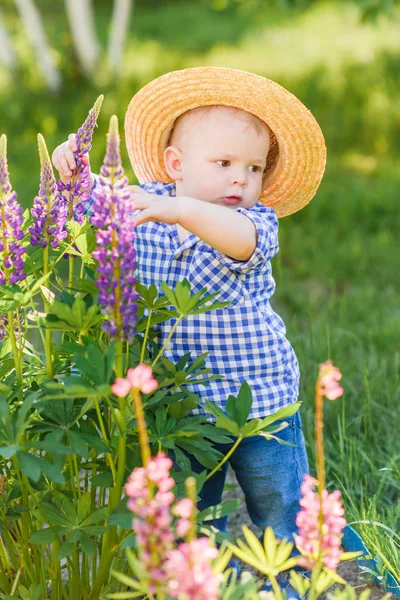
x=337, y=283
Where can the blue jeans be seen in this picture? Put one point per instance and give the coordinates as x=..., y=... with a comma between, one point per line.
x=270, y=475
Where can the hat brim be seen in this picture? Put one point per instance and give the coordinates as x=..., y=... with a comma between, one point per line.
x=150, y=116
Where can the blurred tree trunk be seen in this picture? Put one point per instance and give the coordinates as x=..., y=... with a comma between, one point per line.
x=7, y=56
x=33, y=24
x=119, y=26
x=83, y=31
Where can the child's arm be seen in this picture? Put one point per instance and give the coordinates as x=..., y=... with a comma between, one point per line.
x=226, y=230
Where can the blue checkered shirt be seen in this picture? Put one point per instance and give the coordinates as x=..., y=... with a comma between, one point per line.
x=246, y=341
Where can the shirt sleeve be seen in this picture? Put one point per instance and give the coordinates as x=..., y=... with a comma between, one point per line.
x=266, y=223
x=85, y=208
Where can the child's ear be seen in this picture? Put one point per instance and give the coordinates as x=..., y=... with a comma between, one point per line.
x=173, y=162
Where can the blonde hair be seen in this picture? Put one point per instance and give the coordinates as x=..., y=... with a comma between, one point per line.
x=184, y=122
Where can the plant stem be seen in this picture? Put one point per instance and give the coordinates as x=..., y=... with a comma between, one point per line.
x=319, y=446
x=167, y=340
x=146, y=335
x=119, y=358
x=14, y=587
x=55, y=571
x=11, y=332
x=49, y=359
x=109, y=544
x=82, y=270
x=275, y=587
x=103, y=431
x=227, y=455
x=191, y=493
x=5, y=560
x=319, y=437
x=142, y=428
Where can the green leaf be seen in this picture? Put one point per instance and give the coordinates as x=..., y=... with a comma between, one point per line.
x=222, y=420
x=30, y=464
x=103, y=479
x=251, y=428
x=44, y=536
x=169, y=294
x=129, y=541
x=65, y=550
x=50, y=447
x=219, y=510
x=95, y=529
x=77, y=443
x=282, y=413
x=53, y=472
x=178, y=410
x=95, y=442
x=22, y=422
x=98, y=515
x=54, y=515
x=243, y=404
x=9, y=451
x=161, y=420
x=4, y=410
x=122, y=517
x=88, y=546
x=84, y=504
x=75, y=536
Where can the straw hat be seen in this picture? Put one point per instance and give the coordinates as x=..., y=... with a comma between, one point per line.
x=296, y=160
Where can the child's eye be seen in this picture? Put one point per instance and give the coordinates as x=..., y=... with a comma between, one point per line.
x=223, y=163
x=255, y=168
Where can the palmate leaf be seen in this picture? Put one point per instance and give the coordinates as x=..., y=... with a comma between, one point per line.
x=239, y=408
x=190, y=304
x=224, y=508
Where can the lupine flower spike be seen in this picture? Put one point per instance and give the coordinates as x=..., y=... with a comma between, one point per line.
x=78, y=186
x=321, y=520
x=115, y=251
x=49, y=208
x=320, y=526
x=150, y=497
x=189, y=571
x=184, y=572
x=11, y=219
x=11, y=249
x=328, y=378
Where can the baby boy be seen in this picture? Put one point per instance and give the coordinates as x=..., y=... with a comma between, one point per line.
x=212, y=152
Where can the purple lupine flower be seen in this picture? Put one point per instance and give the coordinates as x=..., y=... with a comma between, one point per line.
x=49, y=208
x=11, y=219
x=115, y=251
x=4, y=325
x=79, y=185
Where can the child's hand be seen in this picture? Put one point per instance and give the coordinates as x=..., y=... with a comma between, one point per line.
x=64, y=160
x=166, y=209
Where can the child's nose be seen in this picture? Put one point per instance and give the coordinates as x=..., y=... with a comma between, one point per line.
x=239, y=177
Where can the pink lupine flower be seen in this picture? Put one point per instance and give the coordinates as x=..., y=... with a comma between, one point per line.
x=121, y=387
x=328, y=378
x=153, y=521
x=183, y=509
x=319, y=540
x=189, y=571
x=140, y=378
